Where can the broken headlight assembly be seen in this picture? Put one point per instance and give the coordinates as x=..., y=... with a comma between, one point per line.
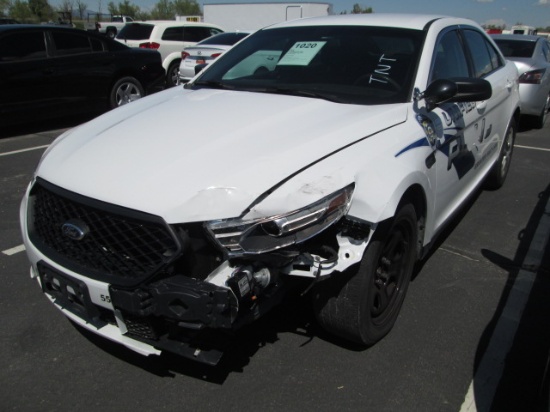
x=263, y=235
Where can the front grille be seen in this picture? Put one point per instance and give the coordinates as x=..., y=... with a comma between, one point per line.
x=121, y=246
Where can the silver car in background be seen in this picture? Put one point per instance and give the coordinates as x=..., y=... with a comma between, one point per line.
x=206, y=51
x=531, y=54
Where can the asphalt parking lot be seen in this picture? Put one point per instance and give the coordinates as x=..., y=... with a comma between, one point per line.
x=473, y=334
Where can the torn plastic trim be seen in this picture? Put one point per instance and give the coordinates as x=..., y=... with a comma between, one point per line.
x=350, y=252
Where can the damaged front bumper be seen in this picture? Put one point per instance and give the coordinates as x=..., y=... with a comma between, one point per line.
x=189, y=301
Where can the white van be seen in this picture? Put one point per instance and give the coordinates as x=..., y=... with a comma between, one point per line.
x=527, y=30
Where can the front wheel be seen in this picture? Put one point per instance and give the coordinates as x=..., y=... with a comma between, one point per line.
x=124, y=91
x=362, y=304
x=500, y=169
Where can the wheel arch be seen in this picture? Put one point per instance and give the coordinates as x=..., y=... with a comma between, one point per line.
x=416, y=196
x=170, y=60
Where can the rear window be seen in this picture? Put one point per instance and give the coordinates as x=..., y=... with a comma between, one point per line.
x=135, y=31
x=197, y=33
x=516, y=48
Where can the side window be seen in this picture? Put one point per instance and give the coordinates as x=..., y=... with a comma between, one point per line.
x=70, y=43
x=97, y=45
x=214, y=31
x=480, y=50
x=23, y=46
x=449, y=58
x=173, y=34
x=196, y=34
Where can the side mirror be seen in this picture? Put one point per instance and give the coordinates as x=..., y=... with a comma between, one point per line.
x=455, y=90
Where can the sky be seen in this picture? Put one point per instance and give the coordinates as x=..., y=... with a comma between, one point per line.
x=498, y=12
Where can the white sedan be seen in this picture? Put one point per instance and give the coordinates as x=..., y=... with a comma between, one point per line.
x=328, y=173
x=206, y=51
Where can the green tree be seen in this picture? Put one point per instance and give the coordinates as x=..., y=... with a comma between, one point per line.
x=186, y=8
x=357, y=9
x=21, y=11
x=163, y=10
x=82, y=7
x=41, y=9
x=125, y=8
x=4, y=7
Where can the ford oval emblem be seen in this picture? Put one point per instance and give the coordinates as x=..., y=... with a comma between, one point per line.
x=75, y=229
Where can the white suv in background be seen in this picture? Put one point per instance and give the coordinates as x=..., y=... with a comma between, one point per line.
x=169, y=38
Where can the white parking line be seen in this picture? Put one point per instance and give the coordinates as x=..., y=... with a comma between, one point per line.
x=23, y=150
x=484, y=385
x=14, y=250
x=532, y=148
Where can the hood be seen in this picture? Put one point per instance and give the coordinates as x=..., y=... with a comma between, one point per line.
x=207, y=154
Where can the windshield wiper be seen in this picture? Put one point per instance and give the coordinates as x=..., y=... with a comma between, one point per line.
x=300, y=92
x=210, y=83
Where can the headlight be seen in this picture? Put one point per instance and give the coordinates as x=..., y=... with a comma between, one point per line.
x=266, y=234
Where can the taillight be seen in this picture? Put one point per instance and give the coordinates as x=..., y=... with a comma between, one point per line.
x=215, y=55
x=149, y=45
x=532, y=77
x=184, y=55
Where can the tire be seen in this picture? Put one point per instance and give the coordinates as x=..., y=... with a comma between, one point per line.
x=111, y=33
x=538, y=122
x=124, y=91
x=500, y=169
x=362, y=303
x=172, y=75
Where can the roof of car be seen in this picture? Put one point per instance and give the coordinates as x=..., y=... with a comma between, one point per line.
x=164, y=23
x=407, y=21
x=519, y=37
x=12, y=27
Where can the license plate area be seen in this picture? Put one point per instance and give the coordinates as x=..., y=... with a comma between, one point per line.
x=69, y=293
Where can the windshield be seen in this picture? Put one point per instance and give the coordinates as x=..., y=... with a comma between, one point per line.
x=345, y=64
x=516, y=48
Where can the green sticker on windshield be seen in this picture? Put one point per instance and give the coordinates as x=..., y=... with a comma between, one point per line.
x=301, y=53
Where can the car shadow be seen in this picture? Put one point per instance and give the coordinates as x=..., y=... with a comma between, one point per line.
x=524, y=384
x=294, y=315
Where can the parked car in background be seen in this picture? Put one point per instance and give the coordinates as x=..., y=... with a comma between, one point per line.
x=110, y=26
x=531, y=54
x=169, y=38
x=5, y=20
x=205, y=51
x=192, y=213
x=52, y=71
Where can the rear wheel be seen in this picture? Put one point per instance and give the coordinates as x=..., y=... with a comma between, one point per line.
x=362, y=304
x=498, y=173
x=172, y=75
x=124, y=91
